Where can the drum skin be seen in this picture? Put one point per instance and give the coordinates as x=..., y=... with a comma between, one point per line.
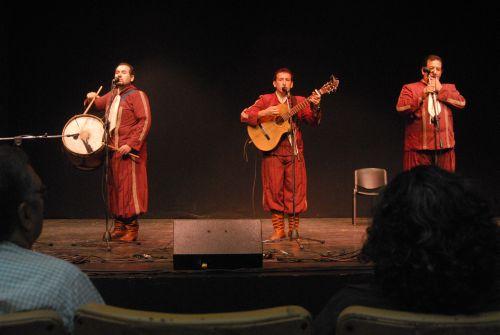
x=85, y=155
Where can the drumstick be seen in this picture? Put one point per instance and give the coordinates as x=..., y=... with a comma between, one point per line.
x=90, y=104
x=116, y=149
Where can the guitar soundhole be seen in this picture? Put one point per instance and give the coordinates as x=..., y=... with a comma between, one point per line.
x=279, y=120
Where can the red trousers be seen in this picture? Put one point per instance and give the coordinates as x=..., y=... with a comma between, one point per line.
x=445, y=159
x=278, y=184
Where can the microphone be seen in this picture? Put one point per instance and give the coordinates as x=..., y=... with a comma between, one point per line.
x=428, y=71
x=115, y=80
x=286, y=90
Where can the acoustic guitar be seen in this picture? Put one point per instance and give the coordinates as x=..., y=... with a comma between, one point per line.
x=267, y=134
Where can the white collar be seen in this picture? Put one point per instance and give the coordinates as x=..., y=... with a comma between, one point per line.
x=280, y=99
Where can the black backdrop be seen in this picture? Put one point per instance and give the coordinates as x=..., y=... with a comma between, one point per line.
x=202, y=62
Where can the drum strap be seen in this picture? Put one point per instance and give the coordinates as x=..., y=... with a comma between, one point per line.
x=129, y=92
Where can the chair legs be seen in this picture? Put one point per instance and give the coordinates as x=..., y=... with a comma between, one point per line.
x=354, y=209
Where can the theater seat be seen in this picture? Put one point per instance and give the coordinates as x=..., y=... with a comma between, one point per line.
x=357, y=320
x=98, y=319
x=32, y=322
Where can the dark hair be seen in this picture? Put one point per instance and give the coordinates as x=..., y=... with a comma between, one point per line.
x=433, y=242
x=431, y=58
x=132, y=70
x=283, y=69
x=16, y=186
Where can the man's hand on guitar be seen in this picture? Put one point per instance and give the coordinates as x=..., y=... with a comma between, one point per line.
x=272, y=110
x=315, y=98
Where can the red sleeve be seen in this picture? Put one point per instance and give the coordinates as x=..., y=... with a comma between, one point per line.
x=450, y=95
x=408, y=101
x=250, y=115
x=142, y=112
x=99, y=103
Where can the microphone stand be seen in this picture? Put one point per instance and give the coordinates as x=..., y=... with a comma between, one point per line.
x=435, y=122
x=18, y=140
x=107, y=235
x=295, y=233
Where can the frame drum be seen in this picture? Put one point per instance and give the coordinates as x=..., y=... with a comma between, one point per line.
x=85, y=155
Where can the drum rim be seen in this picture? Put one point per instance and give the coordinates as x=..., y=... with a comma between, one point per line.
x=83, y=115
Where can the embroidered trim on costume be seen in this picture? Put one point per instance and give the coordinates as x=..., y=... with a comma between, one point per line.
x=148, y=115
x=134, y=189
x=424, y=124
x=456, y=102
x=446, y=126
x=402, y=109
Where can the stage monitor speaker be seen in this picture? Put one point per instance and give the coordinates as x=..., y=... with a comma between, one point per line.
x=217, y=244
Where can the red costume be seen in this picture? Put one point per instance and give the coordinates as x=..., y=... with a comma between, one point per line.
x=420, y=141
x=128, y=183
x=277, y=167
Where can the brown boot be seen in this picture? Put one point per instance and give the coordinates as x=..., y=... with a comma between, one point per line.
x=293, y=227
x=279, y=227
x=119, y=230
x=132, y=232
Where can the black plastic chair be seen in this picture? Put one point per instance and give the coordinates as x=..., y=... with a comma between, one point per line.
x=367, y=182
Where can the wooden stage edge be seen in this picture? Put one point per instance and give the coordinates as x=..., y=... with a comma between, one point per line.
x=80, y=242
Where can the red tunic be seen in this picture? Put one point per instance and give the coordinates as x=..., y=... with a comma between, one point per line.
x=420, y=140
x=128, y=181
x=419, y=131
x=277, y=165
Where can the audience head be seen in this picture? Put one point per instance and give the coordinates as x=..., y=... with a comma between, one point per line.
x=21, y=193
x=433, y=242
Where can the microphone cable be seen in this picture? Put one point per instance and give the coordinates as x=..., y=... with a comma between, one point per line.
x=245, y=158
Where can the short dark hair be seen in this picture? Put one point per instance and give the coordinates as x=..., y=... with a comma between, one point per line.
x=433, y=241
x=16, y=186
x=132, y=70
x=283, y=69
x=431, y=58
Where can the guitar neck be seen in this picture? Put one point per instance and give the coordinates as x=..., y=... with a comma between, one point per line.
x=326, y=88
x=295, y=109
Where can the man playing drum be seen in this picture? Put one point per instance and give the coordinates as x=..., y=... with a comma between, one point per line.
x=129, y=118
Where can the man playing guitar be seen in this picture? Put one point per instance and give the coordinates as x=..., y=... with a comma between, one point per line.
x=283, y=167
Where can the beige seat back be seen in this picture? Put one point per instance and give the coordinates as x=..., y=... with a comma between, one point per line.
x=102, y=319
x=360, y=320
x=38, y=322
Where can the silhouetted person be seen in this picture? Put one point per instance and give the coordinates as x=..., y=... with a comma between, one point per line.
x=433, y=243
x=31, y=280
